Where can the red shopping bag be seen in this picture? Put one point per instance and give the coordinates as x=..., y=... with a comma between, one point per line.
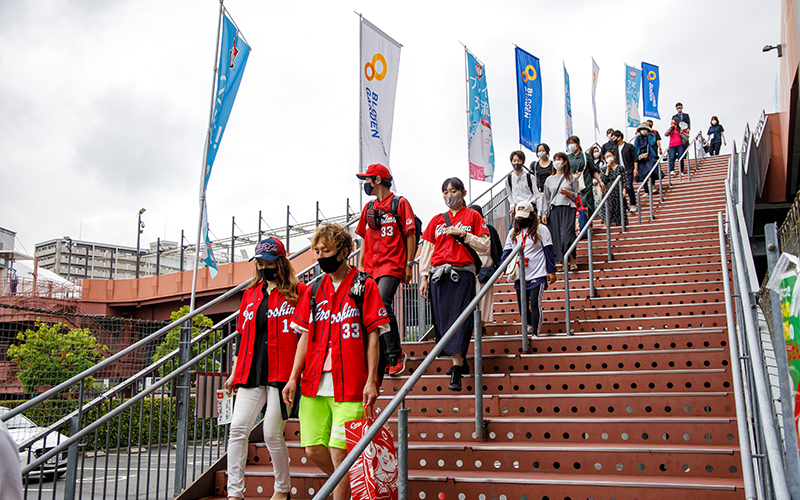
x=373, y=476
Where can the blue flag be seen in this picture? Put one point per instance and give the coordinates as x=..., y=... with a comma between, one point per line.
x=233, y=54
x=481, y=146
x=567, y=105
x=633, y=78
x=529, y=99
x=208, y=253
x=650, y=84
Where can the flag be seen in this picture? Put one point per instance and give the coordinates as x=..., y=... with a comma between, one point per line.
x=633, y=78
x=233, y=53
x=208, y=253
x=595, y=74
x=567, y=104
x=650, y=86
x=529, y=99
x=480, y=145
x=380, y=62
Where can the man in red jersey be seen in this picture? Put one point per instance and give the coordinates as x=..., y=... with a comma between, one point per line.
x=387, y=226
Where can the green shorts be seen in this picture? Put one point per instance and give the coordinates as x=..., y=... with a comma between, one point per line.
x=322, y=421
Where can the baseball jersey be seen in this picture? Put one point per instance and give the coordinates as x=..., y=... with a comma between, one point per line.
x=338, y=321
x=446, y=250
x=385, y=248
x=281, y=340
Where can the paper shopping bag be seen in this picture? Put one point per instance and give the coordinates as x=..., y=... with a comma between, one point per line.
x=374, y=474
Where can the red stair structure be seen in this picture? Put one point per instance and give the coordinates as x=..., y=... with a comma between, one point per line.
x=636, y=404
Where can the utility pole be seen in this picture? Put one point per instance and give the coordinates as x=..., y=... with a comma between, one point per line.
x=139, y=231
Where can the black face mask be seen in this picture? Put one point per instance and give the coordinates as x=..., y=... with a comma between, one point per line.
x=329, y=264
x=368, y=188
x=269, y=274
x=517, y=166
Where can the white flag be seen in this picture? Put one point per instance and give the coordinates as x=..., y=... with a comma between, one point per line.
x=380, y=61
x=595, y=74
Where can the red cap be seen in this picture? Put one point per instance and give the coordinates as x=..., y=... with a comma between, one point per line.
x=376, y=169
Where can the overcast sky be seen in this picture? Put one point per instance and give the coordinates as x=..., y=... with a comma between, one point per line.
x=104, y=105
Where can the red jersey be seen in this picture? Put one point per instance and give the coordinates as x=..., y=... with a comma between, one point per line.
x=339, y=322
x=385, y=248
x=281, y=340
x=446, y=250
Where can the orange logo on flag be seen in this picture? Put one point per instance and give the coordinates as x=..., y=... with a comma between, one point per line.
x=371, y=67
x=526, y=77
x=651, y=75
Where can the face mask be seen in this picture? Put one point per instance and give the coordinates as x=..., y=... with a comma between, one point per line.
x=268, y=274
x=558, y=164
x=452, y=201
x=329, y=264
x=679, y=110
x=609, y=137
x=368, y=188
x=643, y=133
x=517, y=166
x=542, y=155
x=572, y=148
x=609, y=160
x=596, y=154
x=713, y=122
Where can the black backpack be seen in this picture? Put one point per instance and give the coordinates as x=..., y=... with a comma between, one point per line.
x=527, y=174
x=393, y=210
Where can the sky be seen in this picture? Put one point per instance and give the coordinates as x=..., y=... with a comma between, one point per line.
x=105, y=105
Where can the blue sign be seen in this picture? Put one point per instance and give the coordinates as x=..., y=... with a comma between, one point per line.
x=481, y=146
x=650, y=84
x=233, y=54
x=567, y=105
x=529, y=99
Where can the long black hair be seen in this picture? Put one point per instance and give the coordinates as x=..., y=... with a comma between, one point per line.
x=530, y=223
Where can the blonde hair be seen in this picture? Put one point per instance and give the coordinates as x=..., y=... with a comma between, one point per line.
x=333, y=236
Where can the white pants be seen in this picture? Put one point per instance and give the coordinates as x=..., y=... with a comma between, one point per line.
x=246, y=408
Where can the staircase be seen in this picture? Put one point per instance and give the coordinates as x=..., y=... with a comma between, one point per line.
x=636, y=404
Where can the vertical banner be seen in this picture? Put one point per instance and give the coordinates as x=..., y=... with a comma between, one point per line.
x=380, y=62
x=567, y=105
x=208, y=253
x=481, y=147
x=595, y=74
x=632, y=82
x=650, y=84
x=529, y=99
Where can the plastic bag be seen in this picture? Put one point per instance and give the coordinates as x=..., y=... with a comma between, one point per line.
x=373, y=476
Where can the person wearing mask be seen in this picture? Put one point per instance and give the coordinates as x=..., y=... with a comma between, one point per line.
x=600, y=164
x=387, y=227
x=520, y=184
x=560, y=193
x=625, y=155
x=658, y=137
x=540, y=262
x=448, y=267
x=615, y=212
x=682, y=117
x=583, y=166
x=490, y=260
x=676, y=147
x=716, y=133
x=262, y=364
x=339, y=321
x=542, y=167
x=608, y=145
x=647, y=158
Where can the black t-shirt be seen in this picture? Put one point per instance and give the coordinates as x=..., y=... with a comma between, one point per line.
x=542, y=173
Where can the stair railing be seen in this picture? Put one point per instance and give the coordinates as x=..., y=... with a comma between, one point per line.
x=398, y=401
x=648, y=181
x=587, y=231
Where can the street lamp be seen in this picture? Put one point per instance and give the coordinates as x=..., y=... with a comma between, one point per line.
x=767, y=48
x=69, y=259
x=139, y=231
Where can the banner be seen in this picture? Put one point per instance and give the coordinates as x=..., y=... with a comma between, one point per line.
x=233, y=55
x=380, y=62
x=529, y=99
x=567, y=105
x=632, y=82
x=481, y=147
x=207, y=255
x=595, y=74
x=650, y=84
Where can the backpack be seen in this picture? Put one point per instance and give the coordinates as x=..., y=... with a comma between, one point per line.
x=530, y=182
x=471, y=250
x=396, y=214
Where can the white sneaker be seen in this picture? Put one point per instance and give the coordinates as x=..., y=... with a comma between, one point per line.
x=671, y=173
x=634, y=209
x=530, y=328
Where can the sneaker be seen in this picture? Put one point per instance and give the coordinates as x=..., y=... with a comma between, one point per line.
x=530, y=329
x=671, y=173
x=397, y=365
x=634, y=209
x=484, y=332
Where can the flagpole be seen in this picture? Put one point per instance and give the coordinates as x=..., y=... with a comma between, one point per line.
x=466, y=102
x=360, y=112
x=204, y=169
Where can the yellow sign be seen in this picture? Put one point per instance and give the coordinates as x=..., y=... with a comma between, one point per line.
x=369, y=68
x=526, y=77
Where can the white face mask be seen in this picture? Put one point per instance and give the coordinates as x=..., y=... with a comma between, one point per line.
x=609, y=137
x=596, y=154
x=558, y=164
x=713, y=122
x=542, y=155
x=572, y=148
x=609, y=160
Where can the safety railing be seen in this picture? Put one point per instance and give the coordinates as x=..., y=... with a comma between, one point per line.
x=398, y=401
x=648, y=181
x=587, y=231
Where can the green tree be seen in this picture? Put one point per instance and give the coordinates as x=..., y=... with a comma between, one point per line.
x=52, y=354
x=200, y=323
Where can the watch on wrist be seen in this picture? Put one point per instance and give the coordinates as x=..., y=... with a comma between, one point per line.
x=410, y=263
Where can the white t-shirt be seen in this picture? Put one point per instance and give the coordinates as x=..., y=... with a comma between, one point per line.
x=537, y=264
x=520, y=191
x=10, y=476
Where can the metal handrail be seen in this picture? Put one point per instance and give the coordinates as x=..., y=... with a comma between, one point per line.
x=399, y=398
x=587, y=229
x=499, y=181
x=648, y=181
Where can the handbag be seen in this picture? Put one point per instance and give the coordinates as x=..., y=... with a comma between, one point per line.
x=486, y=273
x=581, y=217
x=685, y=138
x=374, y=474
x=512, y=271
x=582, y=173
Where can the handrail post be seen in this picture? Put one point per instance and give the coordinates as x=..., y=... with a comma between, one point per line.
x=689, y=162
x=608, y=239
x=591, y=259
x=523, y=300
x=402, y=452
x=660, y=182
x=639, y=204
x=72, y=453
x=652, y=195
x=566, y=295
x=182, y=406
x=478, y=362
x=622, y=212
x=422, y=321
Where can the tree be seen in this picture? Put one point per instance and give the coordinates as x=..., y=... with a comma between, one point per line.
x=52, y=354
x=200, y=323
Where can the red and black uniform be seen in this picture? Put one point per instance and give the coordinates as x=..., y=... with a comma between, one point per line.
x=385, y=248
x=446, y=249
x=338, y=324
x=267, y=361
